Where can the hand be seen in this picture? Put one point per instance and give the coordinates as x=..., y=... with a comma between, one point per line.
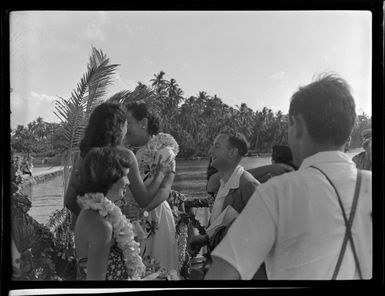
x=164, y=166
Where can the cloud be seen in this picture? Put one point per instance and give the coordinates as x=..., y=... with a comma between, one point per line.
x=94, y=29
x=279, y=76
x=94, y=32
x=27, y=107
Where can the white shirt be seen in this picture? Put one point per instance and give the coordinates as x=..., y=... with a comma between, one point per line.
x=294, y=224
x=223, y=191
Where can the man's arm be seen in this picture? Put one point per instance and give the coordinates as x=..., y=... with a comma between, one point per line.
x=221, y=270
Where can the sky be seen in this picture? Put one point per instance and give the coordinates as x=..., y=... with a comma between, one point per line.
x=255, y=57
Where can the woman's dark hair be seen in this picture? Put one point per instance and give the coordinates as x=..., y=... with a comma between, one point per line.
x=102, y=167
x=140, y=110
x=104, y=127
x=327, y=107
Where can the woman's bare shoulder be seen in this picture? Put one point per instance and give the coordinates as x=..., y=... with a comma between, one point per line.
x=90, y=220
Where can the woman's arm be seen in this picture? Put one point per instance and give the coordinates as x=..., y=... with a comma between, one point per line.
x=142, y=194
x=99, y=245
x=163, y=193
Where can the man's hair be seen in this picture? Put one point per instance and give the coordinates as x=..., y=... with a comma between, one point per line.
x=327, y=107
x=141, y=110
x=102, y=167
x=104, y=127
x=237, y=140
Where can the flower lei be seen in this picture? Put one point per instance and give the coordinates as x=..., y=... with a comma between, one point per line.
x=162, y=142
x=122, y=231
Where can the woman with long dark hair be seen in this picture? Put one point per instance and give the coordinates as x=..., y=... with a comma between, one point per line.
x=107, y=127
x=144, y=138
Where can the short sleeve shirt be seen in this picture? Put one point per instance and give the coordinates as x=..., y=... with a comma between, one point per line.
x=294, y=224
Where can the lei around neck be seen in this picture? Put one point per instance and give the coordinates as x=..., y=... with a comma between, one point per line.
x=161, y=142
x=122, y=231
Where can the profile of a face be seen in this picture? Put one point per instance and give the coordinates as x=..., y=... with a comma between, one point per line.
x=136, y=130
x=118, y=189
x=220, y=151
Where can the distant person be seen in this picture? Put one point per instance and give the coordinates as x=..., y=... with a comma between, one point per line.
x=236, y=187
x=314, y=223
x=282, y=162
x=363, y=160
x=25, y=166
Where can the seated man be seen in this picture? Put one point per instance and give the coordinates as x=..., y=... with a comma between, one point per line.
x=363, y=160
x=236, y=187
x=281, y=159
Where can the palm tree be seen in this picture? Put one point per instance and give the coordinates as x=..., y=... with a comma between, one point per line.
x=76, y=110
x=158, y=82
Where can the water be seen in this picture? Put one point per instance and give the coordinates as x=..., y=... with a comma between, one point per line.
x=46, y=198
x=190, y=180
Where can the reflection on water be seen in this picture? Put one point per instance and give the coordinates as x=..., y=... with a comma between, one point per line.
x=190, y=180
x=46, y=198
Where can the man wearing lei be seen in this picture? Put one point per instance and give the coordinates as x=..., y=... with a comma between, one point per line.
x=156, y=218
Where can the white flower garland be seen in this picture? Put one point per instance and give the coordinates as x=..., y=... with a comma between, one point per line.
x=122, y=231
x=162, y=143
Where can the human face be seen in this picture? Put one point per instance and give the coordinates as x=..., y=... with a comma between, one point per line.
x=220, y=152
x=118, y=190
x=136, y=130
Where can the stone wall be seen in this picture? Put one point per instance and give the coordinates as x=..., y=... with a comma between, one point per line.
x=42, y=178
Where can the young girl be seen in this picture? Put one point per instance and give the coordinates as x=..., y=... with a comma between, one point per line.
x=104, y=238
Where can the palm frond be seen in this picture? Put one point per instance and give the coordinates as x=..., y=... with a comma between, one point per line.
x=76, y=110
x=121, y=97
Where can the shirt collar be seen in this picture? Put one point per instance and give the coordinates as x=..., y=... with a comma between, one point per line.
x=233, y=181
x=325, y=157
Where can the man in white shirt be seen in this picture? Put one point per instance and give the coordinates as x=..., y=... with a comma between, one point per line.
x=294, y=223
x=236, y=187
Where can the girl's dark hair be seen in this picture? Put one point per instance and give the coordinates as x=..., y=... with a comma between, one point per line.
x=104, y=127
x=102, y=167
x=140, y=110
x=327, y=107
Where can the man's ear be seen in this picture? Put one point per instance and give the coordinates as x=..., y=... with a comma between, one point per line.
x=233, y=152
x=298, y=125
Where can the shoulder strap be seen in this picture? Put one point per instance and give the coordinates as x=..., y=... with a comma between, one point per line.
x=348, y=223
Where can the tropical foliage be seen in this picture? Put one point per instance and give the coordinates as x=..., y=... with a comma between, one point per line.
x=38, y=137
x=195, y=121
x=46, y=252
x=75, y=111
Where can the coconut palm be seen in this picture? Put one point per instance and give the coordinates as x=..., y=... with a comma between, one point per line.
x=158, y=82
x=76, y=110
